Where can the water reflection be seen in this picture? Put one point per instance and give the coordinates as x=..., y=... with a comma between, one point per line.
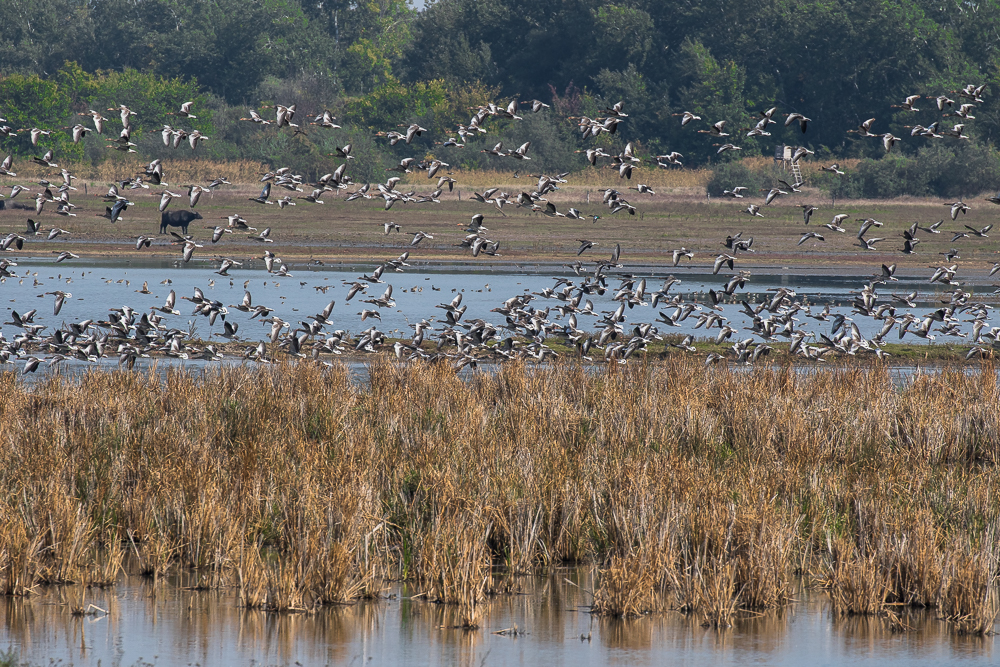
x=167, y=624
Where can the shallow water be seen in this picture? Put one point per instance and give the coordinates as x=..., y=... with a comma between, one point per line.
x=73, y=369
x=169, y=626
x=98, y=286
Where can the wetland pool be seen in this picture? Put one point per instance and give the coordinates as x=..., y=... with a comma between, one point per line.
x=172, y=626
x=99, y=285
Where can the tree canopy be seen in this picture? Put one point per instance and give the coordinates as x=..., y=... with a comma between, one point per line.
x=836, y=61
x=381, y=62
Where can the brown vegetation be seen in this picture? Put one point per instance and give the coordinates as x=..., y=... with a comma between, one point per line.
x=691, y=181
x=701, y=490
x=102, y=174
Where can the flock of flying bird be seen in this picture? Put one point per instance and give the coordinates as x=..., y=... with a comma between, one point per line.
x=131, y=334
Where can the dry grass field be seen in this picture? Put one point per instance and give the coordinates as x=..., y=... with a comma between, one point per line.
x=300, y=487
x=678, y=215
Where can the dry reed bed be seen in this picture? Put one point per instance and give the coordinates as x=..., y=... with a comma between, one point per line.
x=195, y=170
x=699, y=490
x=590, y=177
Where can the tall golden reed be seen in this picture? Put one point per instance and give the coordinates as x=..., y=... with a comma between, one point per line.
x=700, y=489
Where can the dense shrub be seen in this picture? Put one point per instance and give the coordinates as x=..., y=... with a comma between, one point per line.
x=960, y=170
x=728, y=175
x=947, y=170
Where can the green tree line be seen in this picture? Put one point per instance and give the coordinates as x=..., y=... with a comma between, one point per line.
x=380, y=63
x=838, y=62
